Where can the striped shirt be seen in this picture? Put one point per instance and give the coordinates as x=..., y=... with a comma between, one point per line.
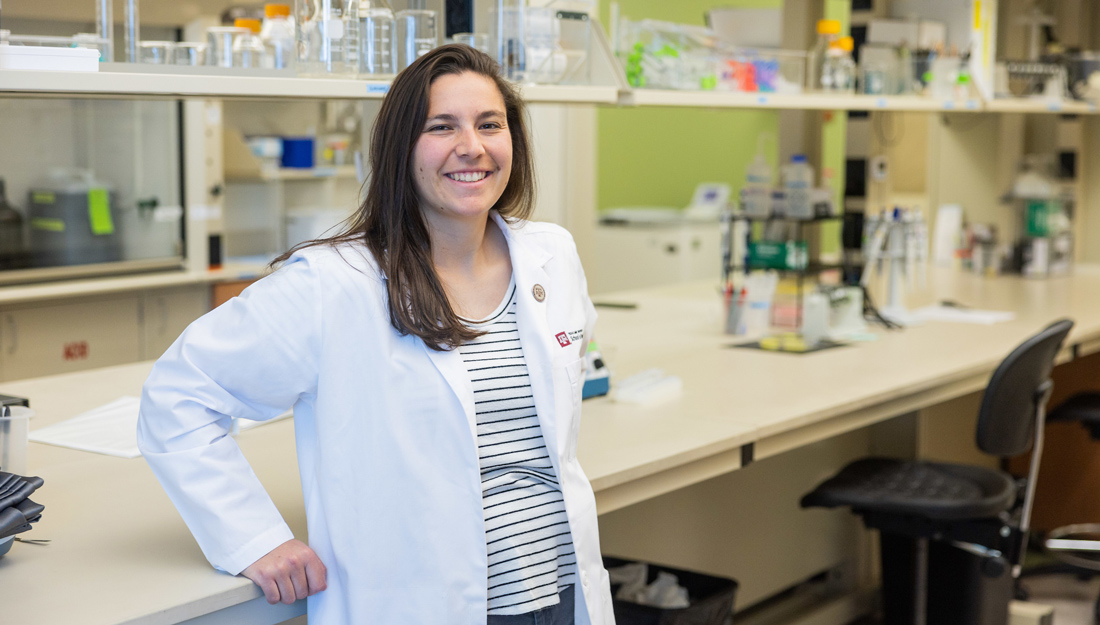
x=526, y=530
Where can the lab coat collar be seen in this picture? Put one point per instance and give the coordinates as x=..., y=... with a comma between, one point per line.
x=528, y=268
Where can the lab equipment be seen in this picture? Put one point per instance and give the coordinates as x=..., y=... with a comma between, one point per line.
x=12, y=242
x=14, y=432
x=133, y=31
x=597, y=376
x=652, y=386
x=828, y=31
x=815, y=318
x=477, y=41
x=414, y=35
x=756, y=193
x=798, y=182
x=328, y=37
x=248, y=48
x=73, y=220
x=219, y=48
x=155, y=52
x=277, y=34
x=898, y=237
x=838, y=73
x=507, y=21
x=376, y=38
x=189, y=54
x=298, y=152
x=17, y=512
x=105, y=29
x=759, y=291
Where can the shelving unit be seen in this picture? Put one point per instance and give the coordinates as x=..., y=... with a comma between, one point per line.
x=289, y=173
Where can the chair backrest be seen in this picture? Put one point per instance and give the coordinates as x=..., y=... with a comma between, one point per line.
x=1006, y=420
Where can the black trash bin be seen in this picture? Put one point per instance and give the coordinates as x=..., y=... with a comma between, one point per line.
x=711, y=599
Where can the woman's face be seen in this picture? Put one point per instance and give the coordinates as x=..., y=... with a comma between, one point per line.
x=464, y=155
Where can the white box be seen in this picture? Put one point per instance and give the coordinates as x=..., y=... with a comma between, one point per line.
x=49, y=58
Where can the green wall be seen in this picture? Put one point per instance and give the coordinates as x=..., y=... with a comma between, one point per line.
x=655, y=156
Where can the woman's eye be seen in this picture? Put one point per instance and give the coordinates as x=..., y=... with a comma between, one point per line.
x=437, y=128
x=491, y=126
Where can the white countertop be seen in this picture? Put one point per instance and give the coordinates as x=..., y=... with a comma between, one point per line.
x=121, y=554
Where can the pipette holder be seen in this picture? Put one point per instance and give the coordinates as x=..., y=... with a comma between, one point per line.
x=897, y=244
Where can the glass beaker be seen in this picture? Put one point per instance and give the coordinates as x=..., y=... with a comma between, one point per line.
x=328, y=36
x=154, y=52
x=219, y=44
x=506, y=35
x=249, y=49
x=189, y=54
x=14, y=430
x=414, y=36
x=375, y=39
x=477, y=41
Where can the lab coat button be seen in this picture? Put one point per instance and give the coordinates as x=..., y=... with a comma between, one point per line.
x=584, y=578
x=538, y=292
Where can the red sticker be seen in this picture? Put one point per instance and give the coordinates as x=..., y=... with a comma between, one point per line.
x=563, y=339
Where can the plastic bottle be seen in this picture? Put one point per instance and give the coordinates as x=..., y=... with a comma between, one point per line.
x=827, y=32
x=798, y=182
x=838, y=73
x=757, y=193
x=248, y=49
x=277, y=34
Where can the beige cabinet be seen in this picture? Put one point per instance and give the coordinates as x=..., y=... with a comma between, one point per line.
x=60, y=337
x=166, y=313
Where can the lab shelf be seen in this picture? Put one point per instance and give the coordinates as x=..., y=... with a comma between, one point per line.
x=176, y=84
x=801, y=101
x=1028, y=105
x=290, y=173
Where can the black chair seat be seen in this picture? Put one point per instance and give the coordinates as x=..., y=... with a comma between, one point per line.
x=1083, y=407
x=924, y=489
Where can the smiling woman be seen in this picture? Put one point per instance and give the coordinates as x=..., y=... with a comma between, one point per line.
x=433, y=355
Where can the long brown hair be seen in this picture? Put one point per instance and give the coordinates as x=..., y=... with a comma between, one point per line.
x=389, y=220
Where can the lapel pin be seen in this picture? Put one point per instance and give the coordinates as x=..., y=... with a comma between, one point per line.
x=539, y=292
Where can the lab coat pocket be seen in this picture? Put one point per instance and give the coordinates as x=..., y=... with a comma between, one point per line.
x=575, y=370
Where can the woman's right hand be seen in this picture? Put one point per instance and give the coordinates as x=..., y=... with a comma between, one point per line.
x=289, y=572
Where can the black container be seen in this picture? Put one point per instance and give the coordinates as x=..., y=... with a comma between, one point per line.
x=711, y=599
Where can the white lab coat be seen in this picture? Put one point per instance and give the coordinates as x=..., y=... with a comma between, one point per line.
x=385, y=431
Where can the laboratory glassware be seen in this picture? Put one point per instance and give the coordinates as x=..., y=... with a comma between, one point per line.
x=219, y=44
x=327, y=32
x=756, y=195
x=414, y=35
x=189, y=54
x=248, y=49
x=105, y=28
x=133, y=31
x=828, y=31
x=375, y=38
x=838, y=73
x=14, y=438
x=798, y=182
x=477, y=41
x=278, y=38
x=507, y=22
x=155, y=52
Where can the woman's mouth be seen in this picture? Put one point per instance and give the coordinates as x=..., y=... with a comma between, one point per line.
x=468, y=176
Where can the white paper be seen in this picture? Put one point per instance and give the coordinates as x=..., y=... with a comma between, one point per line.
x=949, y=223
x=110, y=429
x=951, y=314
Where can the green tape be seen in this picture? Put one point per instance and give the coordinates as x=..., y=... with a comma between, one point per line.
x=43, y=197
x=99, y=212
x=45, y=223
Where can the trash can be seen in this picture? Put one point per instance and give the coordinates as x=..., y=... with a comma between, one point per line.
x=711, y=599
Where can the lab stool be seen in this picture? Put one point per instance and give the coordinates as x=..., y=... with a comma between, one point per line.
x=952, y=535
x=1076, y=546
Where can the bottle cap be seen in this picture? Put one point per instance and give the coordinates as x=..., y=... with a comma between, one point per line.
x=276, y=10
x=828, y=27
x=252, y=25
x=845, y=43
x=798, y=158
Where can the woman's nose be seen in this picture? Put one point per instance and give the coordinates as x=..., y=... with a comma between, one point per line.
x=469, y=144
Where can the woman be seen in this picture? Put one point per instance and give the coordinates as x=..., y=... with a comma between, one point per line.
x=433, y=354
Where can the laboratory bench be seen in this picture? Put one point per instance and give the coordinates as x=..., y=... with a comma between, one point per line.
x=119, y=552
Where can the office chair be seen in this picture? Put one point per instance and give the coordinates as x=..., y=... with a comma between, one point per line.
x=1076, y=546
x=952, y=536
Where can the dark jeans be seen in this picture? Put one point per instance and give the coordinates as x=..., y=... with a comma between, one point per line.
x=560, y=614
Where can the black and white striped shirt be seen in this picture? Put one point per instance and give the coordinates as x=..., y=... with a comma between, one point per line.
x=530, y=548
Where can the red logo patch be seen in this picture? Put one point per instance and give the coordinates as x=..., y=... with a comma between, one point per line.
x=563, y=339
